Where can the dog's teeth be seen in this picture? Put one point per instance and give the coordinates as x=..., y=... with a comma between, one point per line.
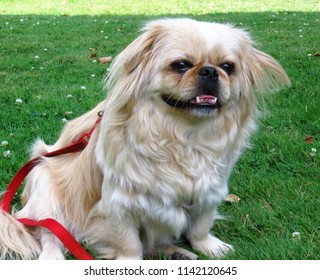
x=198, y=99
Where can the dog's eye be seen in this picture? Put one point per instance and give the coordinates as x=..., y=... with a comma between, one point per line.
x=228, y=68
x=181, y=66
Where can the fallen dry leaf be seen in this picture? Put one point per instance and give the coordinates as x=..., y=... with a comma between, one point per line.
x=309, y=139
x=232, y=198
x=104, y=60
x=316, y=54
x=93, y=55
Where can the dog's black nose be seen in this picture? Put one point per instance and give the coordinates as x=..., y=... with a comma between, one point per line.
x=209, y=72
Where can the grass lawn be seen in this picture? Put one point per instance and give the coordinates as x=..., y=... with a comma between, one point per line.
x=49, y=73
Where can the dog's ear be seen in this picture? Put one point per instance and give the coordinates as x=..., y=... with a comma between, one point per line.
x=131, y=68
x=139, y=52
x=266, y=74
x=135, y=57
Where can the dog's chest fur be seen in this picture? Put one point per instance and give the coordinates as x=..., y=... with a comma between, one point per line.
x=168, y=192
x=165, y=173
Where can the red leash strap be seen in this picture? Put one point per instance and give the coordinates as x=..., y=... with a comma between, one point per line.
x=66, y=238
x=16, y=182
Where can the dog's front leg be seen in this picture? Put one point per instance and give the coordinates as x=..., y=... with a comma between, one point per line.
x=199, y=236
x=51, y=247
x=127, y=240
x=113, y=232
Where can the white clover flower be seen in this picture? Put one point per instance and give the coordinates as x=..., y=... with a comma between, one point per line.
x=83, y=88
x=4, y=143
x=93, y=75
x=7, y=154
x=36, y=57
x=296, y=235
x=64, y=120
x=18, y=101
x=69, y=96
x=313, y=152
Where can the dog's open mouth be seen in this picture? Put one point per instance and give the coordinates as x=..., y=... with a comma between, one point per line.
x=200, y=101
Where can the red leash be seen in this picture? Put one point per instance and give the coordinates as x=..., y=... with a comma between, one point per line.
x=55, y=227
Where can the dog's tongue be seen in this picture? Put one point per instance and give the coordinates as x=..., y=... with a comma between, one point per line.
x=204, y=99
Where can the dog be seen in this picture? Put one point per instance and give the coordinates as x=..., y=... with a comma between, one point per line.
x=180, y=108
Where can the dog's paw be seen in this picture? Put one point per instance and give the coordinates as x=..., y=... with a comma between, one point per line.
x=171, y=252
x=122, y=257
x=177, y=253
x=212, y=247
x=51, y=251
x=183, y=256
x=51, y=256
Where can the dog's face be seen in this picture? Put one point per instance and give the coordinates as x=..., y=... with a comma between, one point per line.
x=200, y=70
x=195, y=69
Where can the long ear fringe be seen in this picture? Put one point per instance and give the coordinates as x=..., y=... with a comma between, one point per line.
x=131, y=58
x=128, y=67
x=267, y=75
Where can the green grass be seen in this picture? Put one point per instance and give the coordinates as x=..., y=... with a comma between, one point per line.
x=45, y=59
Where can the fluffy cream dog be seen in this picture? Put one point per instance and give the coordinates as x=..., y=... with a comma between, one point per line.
x=179, y=110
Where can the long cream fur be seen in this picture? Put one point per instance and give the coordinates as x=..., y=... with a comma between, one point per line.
x=151, y=173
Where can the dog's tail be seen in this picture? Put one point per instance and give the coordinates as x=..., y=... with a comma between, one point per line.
x=15, y=240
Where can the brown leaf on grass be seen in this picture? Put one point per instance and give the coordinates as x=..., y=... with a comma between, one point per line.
x=309, y=139
x=316, y=54
x=104, y=60
x=93, y=55
x=232, y=198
